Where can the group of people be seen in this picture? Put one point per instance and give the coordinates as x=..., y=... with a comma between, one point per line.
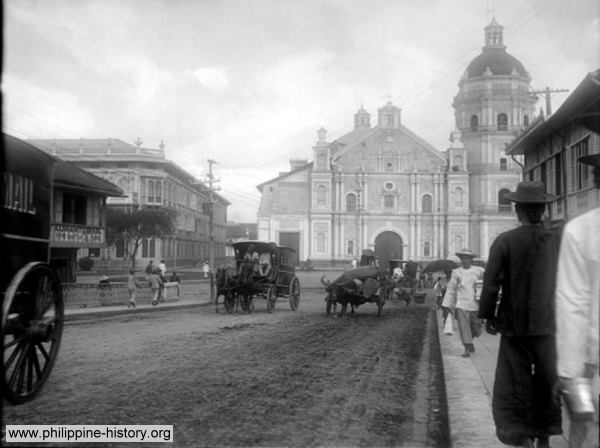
x=156, y=277
x=541, y=291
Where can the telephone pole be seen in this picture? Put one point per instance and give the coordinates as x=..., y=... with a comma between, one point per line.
x=211, y=217
x=547, y=91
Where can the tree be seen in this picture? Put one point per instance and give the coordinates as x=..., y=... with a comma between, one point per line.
x=134, y=226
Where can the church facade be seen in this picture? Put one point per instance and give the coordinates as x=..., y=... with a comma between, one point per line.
x=384, y=188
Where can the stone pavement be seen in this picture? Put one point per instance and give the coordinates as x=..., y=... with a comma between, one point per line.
x=469, y=385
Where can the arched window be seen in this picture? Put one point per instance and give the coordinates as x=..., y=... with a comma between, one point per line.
x=459, y=197
x=320, y=242
x=350, y=247
x=321, y=196
x=502, y=122
x=458, y=163
x=351, y=202
x=526, y=120
x=426, y=249
x=504, y=204
x=427, y=204
x=458, y=242
x=388, y=201
x=474, y=122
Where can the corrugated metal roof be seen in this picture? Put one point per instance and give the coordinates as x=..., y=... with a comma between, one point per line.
x=68, y=175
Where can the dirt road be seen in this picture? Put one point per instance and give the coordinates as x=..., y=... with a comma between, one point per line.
x=281, y=379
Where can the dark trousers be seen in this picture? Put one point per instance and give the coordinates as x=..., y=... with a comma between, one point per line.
x=523, y=405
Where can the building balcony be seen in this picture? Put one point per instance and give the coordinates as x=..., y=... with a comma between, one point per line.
x=77, y=235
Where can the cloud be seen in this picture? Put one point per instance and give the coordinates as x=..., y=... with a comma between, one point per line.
x=215, y=78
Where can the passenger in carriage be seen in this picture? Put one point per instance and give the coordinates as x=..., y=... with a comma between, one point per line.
x=250, y=258
x=264, y=264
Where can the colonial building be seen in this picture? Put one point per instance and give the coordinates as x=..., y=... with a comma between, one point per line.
x=552, y=145
x=148, y=178
x=384, y=188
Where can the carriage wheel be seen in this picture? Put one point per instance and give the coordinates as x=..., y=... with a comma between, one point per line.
x=31, y=329
x=294, y=294
x=229, y=301
x=271, y=298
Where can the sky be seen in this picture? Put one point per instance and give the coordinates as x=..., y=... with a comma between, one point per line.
x=247, y=83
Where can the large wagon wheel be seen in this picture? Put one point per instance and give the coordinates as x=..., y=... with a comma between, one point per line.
x=271, y=298
x=31, y=329
x=294, y=294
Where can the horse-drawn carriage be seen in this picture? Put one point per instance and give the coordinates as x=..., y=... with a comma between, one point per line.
x=356, y=287
x=261, y=270
x=404, y=280
x=32, y=302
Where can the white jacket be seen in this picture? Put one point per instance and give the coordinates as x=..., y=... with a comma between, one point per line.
x=578, y=295
x=460, y=292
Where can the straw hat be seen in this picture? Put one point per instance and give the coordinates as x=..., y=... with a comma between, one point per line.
x=530, y=192
x=465, y=253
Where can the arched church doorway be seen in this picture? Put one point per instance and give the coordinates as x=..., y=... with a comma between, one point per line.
x=388, y=246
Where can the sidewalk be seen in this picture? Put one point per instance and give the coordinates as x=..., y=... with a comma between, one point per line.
x=469, y=386
x=75, y=314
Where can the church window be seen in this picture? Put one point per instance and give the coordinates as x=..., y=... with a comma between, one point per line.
x=389, y=166
x=504, y=205
x=321, y=196
x=388, y=201
x=503, y=164
x=426, y=249
x=458, y=163
x=458, y=242
x=390, y=121
x=351, y=202
x=350, y=247
x=502, y=122
x=320, y=242
x=389, y=186
x=474, y=123
x=459, y=197
x=322, y=161
x=426, y=204
x=526, y=120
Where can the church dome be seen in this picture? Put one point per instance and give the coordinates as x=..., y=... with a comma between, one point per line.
x=498, y=61
x=495, y=60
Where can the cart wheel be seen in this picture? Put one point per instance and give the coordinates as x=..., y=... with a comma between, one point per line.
x=229, y=301
x=271, y=298
x=294, y=294
x=31, y=329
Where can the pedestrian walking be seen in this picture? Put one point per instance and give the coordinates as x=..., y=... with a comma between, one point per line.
x=522, y=265
x=205, y=269
x=149, y=269
x=132, y=286
x=354, y=263
x=439, y=289
x=577, y=308
x=156, y=284
x=460, y=298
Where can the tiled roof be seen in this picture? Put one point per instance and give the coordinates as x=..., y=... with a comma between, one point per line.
x=68, y=175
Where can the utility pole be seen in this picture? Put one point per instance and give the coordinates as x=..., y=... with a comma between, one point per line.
x=211, y=236
x=547, y=91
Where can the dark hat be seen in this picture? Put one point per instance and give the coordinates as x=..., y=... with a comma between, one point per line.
x=465, y=253
x=530, y=192
x=593, y=160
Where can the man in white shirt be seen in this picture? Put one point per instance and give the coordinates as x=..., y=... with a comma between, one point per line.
x=460, y=297
x=577, y=308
